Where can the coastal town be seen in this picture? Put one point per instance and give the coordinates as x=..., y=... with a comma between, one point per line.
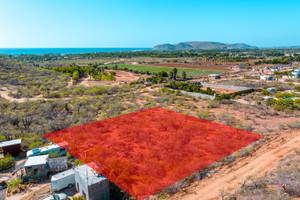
x=47, y=170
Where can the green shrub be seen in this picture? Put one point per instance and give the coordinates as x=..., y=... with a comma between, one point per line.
x=54, y=155
x=14, y=183
x=36, y=144
x=113, y=73
x=297, y=88
x=2, y=138
x=6, y=163
x=78, y=163
x=265, y=92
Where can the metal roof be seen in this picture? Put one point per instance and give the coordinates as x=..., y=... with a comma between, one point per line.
x=62, y=175
x=36, y=160
x=88, y=175
x=43, y=149
x=10, y=143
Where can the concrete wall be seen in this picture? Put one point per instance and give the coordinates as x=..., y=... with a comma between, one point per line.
x=202, y=96
x=37, y=172
x=99, y=191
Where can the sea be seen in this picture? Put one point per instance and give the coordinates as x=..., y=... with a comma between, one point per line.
x=41, y=51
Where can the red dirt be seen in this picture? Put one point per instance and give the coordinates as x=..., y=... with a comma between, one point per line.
x=146, y=151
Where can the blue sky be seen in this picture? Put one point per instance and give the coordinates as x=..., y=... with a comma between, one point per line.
x=145, y=23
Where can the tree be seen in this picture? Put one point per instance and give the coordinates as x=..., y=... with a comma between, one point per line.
x=112, y=73
x=163, y=74
x=171, y=75
x=184, y=75
x=75, y=76
x=174, y=73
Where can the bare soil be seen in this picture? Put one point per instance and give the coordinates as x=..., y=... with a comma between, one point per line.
x=232, y=176
x=121, y=77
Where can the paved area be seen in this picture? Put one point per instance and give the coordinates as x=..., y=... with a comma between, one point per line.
x=2, y=194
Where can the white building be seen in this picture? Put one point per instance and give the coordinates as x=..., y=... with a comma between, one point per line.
x=37, y=167
x=295, y=74
x=91, y=184
x=266, y=78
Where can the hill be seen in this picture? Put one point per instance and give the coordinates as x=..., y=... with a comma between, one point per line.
x=202, y=46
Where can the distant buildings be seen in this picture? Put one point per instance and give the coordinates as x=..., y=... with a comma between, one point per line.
x=214, y=76
x=241, y=66
x=266, y=78
x=90, y=184
x=272, y=89
x=12, y=147
x=295, y=74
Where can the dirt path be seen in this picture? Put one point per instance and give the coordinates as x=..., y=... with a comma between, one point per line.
x=121, y=76
x=231, y=177
x=36, y=192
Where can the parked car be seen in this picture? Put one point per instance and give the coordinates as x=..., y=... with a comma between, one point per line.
x=3, y=185
x=58, y=196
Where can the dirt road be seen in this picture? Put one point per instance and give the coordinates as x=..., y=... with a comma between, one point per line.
x=231, y=177
x=36, y=192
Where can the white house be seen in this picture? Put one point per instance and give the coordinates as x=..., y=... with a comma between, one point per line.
x=295, y=74
x=37, y=167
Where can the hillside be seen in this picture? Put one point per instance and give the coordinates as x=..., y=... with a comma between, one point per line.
x=202, y=46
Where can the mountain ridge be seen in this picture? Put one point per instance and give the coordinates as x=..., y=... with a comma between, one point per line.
x=202, y=45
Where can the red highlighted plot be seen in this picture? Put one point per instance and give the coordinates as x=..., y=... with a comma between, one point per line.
x=146, y=151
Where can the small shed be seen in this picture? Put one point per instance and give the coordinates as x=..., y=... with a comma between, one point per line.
x=214, y=76
x=12, y=147
x=91, y=184
x=62, y=180
x=37, y=167
x=266, y=78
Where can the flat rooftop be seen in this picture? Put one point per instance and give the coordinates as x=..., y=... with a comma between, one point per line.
x=62, y=175
x=146, y=151
x=10, y=143
x=88, y=175
x=36, y=160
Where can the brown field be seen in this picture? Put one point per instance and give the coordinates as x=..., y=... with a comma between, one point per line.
x=121, y=76
x=203, y=66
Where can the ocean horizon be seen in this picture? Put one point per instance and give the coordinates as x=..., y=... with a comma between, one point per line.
x=41, y=51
